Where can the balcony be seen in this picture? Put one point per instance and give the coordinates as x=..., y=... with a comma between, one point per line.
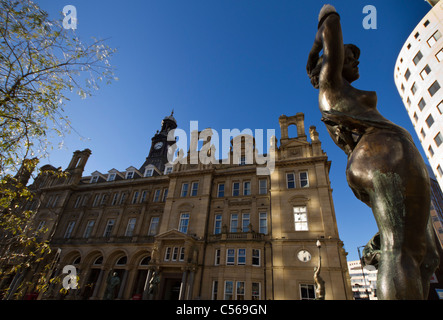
x=103, y=240
x=237, y=236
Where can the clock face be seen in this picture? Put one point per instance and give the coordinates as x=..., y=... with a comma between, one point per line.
x=158, y=145
x=304, y=255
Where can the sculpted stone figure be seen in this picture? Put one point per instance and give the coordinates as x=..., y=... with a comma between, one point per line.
x=112, y=283
x=384, y=170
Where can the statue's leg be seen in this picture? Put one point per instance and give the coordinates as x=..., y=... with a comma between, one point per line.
x=431, y=260
x=402, y=224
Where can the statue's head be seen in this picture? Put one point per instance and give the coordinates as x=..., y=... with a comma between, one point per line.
x=350, y=66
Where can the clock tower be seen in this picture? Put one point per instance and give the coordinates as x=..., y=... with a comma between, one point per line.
x=158, y=154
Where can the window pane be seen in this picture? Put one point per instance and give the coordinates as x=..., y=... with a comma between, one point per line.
x=229, y=290
x=236, y=189
x=434, y=88
x=304, y=181
x=263, y=223
x=184, y=221
x=300, y=219
x=218, y=224
x=221, y=190
x=263, y=186
x=290, y=179
x=234, y=222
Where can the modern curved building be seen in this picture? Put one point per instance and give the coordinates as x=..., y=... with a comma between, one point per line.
x=418, y=76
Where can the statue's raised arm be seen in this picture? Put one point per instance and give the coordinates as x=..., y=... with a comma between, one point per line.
x=384, y=170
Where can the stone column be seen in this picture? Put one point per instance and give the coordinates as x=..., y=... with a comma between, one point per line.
x=183, y=285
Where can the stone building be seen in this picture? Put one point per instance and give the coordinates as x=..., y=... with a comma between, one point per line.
x=198, y=231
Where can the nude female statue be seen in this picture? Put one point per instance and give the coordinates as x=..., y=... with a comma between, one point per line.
x=385, y=170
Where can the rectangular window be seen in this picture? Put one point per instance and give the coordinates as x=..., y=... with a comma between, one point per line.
x=108, y=228
x=77, y=201
x=143, y=197
x=153, y=226
x=438, y=139
x=184, y=223
x=413, y=88
x=115, y=199
x=111, y=177
x=431, y=151
x=245, y=221
x=104, y=198
x=184, y=191
x=135, y=197
x=263, y=223
x=242, y=161
x=69, y=229
x=304, y=180
x=263, y=186
x=168, y=170
x=129, y=174
x=421, y=104
x=434, y=88
x=130, y=227
x=256, y=257
x=240, y=290
x=54, y=203
x=88, y=229
x=221, y=190
x=123, y=198
x=241, y=257
x=156, y=195
x=229, y=290
x=247, y=188
x=96, y=199
x=290, y=180
x=423, y=133
x=175, y=254
x=217, y=224
x=214, y=289
x=94, y=179
x=182, y=254
x=165, y=194
x=426, y=70
x=434, y=38
x=168, y=254
x=194, y=189
x=230, y=257
x=440, y=171
x=307, y=292
x=256, y=291
x=234, y=222
x=41, y=225
x=149, y=172
x=429, y=120
x=217, y=257
x=439, y=56
x=300, y=219
x=407, y=74
x=440, y=107
x=417, y=57
x=236, y=189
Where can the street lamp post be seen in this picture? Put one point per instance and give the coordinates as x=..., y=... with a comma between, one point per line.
x=319, y=282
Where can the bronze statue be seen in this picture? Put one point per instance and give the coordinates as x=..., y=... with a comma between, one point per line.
x=112, y=285
x=385, y=170
x=319, y=282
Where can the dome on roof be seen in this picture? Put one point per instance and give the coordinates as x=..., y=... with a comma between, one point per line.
x=171, y=117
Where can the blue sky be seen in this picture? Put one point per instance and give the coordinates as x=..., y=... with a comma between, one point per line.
x=227, y=64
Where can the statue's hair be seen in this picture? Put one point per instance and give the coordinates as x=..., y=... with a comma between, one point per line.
x=315, y=74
